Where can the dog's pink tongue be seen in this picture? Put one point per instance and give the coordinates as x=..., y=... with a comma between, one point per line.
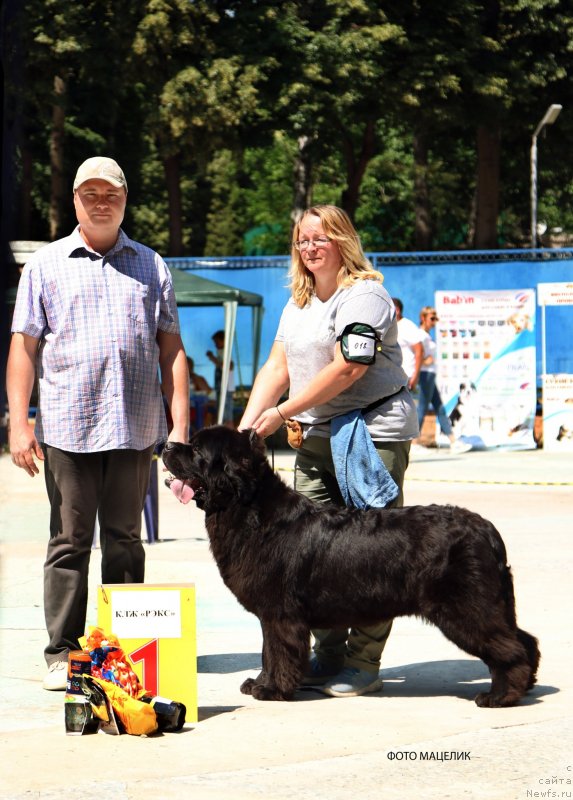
x=182, y=491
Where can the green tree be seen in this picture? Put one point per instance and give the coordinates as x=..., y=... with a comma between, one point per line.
x=224, y=221
x=207, y=78
x=228, y=116
x=66, y=100
x=339, y=93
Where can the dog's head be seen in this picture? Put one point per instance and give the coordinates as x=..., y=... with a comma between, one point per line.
x=218, y=466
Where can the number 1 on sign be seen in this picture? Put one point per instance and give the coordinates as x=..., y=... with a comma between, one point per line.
x=149, y=655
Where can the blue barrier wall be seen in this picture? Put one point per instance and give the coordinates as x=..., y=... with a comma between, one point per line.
x=413, y=277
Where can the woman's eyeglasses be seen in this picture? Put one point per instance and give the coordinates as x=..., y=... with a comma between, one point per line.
x=304, y=244
x=434, y=319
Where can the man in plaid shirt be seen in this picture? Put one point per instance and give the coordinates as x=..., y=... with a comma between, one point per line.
x=96, y=322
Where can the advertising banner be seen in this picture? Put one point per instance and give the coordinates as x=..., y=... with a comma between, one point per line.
x=487, y=365
x=558, y=413
x=555, y=294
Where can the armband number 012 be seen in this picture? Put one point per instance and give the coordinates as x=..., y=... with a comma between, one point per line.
x=359, y=343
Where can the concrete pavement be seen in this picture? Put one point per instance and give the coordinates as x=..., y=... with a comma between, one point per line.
x=421, y=736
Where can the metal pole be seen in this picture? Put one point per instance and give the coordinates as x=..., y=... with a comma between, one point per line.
x=543, y=360
x=230, y=325
x=534, y=191
x=548, y=119
x=543, y=344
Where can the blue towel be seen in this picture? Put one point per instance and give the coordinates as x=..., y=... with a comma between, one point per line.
x=362, y=476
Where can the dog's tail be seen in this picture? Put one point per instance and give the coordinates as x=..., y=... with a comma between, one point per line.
x=531, y=646
x=505, y=574
x=531, y=655
x=508, y=593
x=500, y=555
x=529, y=642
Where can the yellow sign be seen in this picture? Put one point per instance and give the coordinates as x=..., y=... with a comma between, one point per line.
x=155, y=624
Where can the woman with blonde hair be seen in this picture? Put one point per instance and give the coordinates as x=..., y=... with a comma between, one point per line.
x=336, y=351
x=429, y=392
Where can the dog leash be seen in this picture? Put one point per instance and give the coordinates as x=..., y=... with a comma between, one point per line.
x=295, y=429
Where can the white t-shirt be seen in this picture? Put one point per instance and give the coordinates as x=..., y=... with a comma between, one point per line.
x=430, y=349
x=408, y=335
x=309, y=338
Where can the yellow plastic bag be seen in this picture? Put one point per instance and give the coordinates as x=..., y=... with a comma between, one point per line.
x=137, y=718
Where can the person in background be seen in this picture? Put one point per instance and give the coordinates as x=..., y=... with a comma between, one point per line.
x=429, y=395
x=338, y=311
x=216, y=358
x=202, y=408
x=96, y=319
x=197, y=382
x=410, y=341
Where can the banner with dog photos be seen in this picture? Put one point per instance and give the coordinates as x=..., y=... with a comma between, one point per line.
x=487, y=365
x=558, y=413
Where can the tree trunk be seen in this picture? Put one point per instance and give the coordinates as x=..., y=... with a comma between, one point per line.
x=57, y=158
x=470, y=237
x=422, y=225
x=487, y=202
x=355, y=168
x=302, y=179
x=172, y=168
x=24, y=218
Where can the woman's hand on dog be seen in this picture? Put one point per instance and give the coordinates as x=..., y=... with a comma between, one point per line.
x=268, y=422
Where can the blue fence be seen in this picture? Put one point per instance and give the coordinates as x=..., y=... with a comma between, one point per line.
x=413, y=277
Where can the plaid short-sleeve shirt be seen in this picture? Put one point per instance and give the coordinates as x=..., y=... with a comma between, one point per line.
x=96, y=318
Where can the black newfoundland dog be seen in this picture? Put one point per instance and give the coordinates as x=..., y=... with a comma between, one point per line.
x=299, y=565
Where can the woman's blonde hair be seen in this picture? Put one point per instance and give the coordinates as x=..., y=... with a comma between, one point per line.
x=355, y=266
x=426, y=311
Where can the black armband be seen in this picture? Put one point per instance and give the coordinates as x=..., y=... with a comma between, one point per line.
x=359, y=343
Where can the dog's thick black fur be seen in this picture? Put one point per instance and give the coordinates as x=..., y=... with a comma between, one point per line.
x=299, y=565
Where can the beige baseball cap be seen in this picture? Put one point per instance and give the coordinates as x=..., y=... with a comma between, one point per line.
x=105, y=169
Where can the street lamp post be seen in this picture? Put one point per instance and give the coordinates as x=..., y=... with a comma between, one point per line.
x=548, y=119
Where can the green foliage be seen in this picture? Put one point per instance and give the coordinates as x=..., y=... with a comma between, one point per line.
x=147, y=206
x=226, y=88
x=384, y=218
x=224, y=221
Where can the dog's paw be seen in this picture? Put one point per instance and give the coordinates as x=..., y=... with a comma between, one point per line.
x=489, y=700
x=483, y=700
x=247, y=686
x=262, y=692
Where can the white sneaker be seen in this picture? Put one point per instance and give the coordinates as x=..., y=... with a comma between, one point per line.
x=352, y=682
x=56, y=679
x=460, y=447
